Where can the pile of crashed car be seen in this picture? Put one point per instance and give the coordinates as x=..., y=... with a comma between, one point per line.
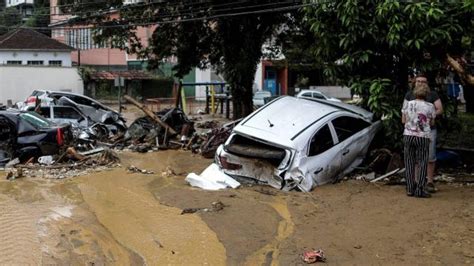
x=49, y=123
x=312, y=143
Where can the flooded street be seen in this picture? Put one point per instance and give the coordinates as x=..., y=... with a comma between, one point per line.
x=116, y=217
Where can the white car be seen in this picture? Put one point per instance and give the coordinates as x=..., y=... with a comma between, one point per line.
x=317, y=95
x=298, y=143
x=259, y=98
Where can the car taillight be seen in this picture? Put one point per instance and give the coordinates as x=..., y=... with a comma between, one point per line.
x=60, y=136
x=229, y=166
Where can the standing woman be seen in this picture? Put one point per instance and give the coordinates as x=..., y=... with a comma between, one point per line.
x=418, y=115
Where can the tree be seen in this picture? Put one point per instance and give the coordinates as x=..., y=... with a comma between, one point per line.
x=9, y=18
x=372, y=44
x=199, y=34
x=40, y=16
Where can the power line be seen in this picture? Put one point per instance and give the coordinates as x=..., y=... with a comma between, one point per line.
x=202, y=18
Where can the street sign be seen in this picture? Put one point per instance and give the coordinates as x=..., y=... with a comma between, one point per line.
x=119, y=82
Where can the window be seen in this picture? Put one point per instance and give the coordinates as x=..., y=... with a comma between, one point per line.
x=35, y=62
x=306, y=94
x=347, y=126
x=66, y=113
x=318, y=96
x=321, y=142
x=14, y=62
x=35, y=119
x=55, y=62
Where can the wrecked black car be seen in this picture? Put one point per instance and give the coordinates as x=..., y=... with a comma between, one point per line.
x=26, y=135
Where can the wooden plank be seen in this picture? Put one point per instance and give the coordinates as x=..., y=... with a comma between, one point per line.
x=149, y=113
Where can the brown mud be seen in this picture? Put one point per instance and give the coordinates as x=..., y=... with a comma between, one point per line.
x=115, y=217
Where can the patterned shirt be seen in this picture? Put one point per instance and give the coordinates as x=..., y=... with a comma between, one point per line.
x=418, y=115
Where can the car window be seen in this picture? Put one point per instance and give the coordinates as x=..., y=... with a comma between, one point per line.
x=318, y=95
x=347, y=126
x=321, y=141
x=66, y=113
x=306, y=94
x=37, y=93
x=35, y=120
x=45, y=111
x=81, y=100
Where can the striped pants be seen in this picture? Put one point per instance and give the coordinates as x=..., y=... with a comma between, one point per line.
x=416, y=152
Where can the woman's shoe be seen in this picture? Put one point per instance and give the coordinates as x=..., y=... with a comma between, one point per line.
x=424, y=195
x=430, y=187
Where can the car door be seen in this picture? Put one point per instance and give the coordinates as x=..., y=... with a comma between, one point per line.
x=353, y=138
x=322, y=159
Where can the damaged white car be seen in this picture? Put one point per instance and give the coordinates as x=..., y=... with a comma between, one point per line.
x=298, y=143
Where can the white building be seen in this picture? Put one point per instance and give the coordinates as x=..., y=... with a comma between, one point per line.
x=32, y=61
x=24, y=6
x=10, y=3
x=28, y=47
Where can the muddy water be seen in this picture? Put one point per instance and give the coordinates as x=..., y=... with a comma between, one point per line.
x=159, y=234
x=109, y=217
x=270, y=252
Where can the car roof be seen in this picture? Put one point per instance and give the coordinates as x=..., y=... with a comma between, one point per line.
x=286, y=117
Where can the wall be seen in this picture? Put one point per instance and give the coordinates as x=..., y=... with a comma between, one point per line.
x=17, y=82
x=334, y=91
x=24, y=56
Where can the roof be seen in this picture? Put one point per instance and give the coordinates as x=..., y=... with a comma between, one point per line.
x=130, y=75
x=26, y=39
x=286, y=117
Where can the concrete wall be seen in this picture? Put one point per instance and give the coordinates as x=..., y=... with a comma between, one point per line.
x=17, y=83
x=25, y=56
x=334, y=91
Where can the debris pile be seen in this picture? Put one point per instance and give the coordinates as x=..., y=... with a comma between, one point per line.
x=70, y=164
x=83, y=133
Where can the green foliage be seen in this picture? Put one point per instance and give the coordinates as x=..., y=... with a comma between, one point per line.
x=9, y=17
x=371, y=45
x=40, y=16
x=230, y=44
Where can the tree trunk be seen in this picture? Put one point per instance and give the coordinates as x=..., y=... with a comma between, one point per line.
x=469, y=79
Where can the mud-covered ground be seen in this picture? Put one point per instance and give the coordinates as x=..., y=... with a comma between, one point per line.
x=115, y=217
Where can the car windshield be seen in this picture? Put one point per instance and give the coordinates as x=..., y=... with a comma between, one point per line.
x=35, y=120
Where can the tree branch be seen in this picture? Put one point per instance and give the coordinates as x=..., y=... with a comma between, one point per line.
x=460, y=70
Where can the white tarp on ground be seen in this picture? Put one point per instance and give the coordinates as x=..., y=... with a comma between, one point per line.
x=212, y=179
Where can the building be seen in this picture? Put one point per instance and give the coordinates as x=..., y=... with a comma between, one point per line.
x=113, y=62
x=24, y=6
x=32, y=61
x=28, y=47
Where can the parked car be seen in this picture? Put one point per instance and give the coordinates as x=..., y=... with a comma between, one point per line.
x=27, y=134
x=317, y=95
x=298, y=143
x=259, y=98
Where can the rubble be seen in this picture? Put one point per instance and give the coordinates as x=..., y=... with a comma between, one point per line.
x=216, y=206
x=134, y=169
